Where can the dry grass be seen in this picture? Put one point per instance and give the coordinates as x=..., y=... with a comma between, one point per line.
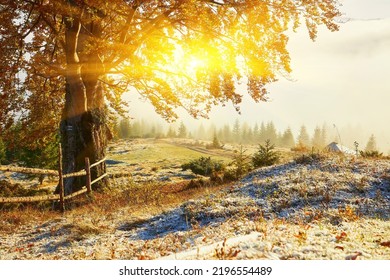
x=139, y=199
x=81, y=230
x=13, y=219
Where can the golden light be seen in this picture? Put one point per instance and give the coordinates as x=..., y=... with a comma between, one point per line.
x=195, y=62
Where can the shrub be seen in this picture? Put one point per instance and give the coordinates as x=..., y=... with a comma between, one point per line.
x=309, y=158
x=204, y=166
x=215, y=145
x=300, y=148
x=2, y=151
x=265, y=156
x=241, y=163
x=371, y=154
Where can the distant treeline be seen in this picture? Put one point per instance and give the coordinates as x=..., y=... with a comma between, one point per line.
x=241, y=133
x=28, y=149
x=235, y=133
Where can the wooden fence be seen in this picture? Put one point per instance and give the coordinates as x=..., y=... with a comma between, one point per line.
x=55, y=197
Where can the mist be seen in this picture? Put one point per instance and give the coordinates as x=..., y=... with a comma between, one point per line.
x=340, y=80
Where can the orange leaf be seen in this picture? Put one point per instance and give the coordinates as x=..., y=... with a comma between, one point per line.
x=385, y=243
x=301, y=235
x=341, y=236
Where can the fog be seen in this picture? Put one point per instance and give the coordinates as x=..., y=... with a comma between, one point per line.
x=341, y=79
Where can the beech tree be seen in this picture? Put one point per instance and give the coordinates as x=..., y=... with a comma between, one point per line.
x=65, y=63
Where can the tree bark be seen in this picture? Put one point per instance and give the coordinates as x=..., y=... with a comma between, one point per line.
x=83, y=136
x=83, y=126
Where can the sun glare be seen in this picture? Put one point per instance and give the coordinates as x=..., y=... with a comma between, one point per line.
x=195, y=63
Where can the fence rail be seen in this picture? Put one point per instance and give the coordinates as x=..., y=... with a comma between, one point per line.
x=25, y=170
x=55, y=197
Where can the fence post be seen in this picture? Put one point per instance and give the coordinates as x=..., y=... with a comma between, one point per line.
x=88, y=176
x=61, y=180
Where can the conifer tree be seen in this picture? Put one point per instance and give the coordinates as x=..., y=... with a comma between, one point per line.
x=288, y=138
x=241, y=162
x=227, y=133
x=303, y=137
x=236, y=133
x=256, y=133
x=2, y=151
x=317, y=140
x=201, y=132
x=324, y=136
x=171, y=132
x=124, y=128
x=182, y=133
x=263, y=133
x=265, y=155
x=371, y=144
x=271, y=133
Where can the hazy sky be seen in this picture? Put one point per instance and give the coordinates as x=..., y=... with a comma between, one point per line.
x=342, y=78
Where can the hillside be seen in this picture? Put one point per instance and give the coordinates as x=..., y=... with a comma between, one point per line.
x=331, y=208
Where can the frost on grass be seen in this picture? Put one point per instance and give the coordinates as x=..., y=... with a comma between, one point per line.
x=328, y=209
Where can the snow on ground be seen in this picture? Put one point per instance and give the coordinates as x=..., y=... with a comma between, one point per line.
x=329, y=209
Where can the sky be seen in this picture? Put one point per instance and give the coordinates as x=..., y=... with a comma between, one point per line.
x=343, y=78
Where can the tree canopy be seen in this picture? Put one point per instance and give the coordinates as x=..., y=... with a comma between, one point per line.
x=66, y=63
x=175, y=53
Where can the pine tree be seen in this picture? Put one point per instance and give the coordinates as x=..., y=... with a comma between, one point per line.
x=216, y=144
x=171, y=132
x=371, y=144
x=256, y=133
x=288, y=139
x=324, y=136
x=244, y=134
x=182, y=133
x=241, y=162
x=265, y=156
x=250, y=135
x=201, y=132
x=262, y=134
x=2, y=151
x=303, y=137
x=317, y=140
x=124, y=128
x=236, y=132
x=227, y=133
x=136, y=129
x=271, y=133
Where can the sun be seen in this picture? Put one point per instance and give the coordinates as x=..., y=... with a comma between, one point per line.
x=196, y=63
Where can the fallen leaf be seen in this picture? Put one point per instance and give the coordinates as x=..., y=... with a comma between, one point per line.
x=341, y=236
x=301, y=235
x=386, y=243
x=19, y=249
x=339, y=247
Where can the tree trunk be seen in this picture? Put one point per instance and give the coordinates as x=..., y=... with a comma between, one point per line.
x=83, y=136
x=83, y=126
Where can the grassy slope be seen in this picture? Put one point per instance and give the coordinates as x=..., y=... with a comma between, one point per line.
x=103, y=229
x=158, y=152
